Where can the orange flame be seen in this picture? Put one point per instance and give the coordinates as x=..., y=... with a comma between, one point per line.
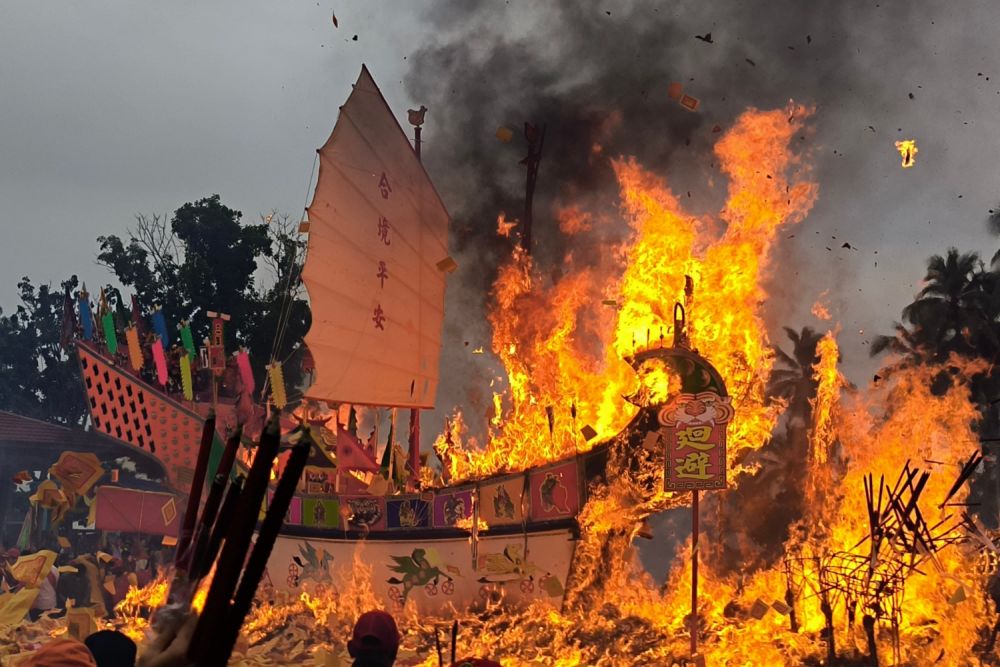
x=560, y=383
x=908, y=151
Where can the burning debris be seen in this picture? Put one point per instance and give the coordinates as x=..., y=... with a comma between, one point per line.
x=908, y=151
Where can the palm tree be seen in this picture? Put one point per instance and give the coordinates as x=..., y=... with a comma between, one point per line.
x=950, y=313
x=794, y=380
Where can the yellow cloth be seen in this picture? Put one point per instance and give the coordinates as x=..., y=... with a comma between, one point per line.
x=30, y=570
x=15, y=606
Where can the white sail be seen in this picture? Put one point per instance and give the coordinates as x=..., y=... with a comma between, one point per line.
x=377, y=231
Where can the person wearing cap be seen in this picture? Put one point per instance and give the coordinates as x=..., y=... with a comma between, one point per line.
x=62, y=652
x=375, y=640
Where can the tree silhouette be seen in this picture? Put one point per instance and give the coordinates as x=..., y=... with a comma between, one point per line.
x=38, y=378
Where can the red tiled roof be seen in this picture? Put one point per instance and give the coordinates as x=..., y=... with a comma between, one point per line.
x=16, y=428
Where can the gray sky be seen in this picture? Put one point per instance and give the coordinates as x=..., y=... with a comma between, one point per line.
x=113, y=108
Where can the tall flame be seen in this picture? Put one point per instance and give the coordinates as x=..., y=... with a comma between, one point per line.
x=563, y=349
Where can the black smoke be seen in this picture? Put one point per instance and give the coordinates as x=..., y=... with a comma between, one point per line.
x=597, y=75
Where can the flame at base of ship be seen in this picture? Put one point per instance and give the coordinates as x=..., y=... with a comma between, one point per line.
x=530, y=543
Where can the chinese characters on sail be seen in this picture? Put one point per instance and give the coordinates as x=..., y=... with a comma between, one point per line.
x=693, y=430
x=382, y=229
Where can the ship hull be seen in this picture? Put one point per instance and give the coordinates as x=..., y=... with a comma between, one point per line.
x=431, y=574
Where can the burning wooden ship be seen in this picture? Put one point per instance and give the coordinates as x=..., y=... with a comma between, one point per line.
x=375, y=273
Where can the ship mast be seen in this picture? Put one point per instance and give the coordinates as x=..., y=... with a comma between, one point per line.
x=536, y=139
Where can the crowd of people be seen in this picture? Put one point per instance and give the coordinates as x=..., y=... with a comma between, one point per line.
x=98, y=580
x=373, y=643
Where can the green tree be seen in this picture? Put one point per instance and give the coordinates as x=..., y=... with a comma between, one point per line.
x=956, y=312
x=38, y=378
x=792, y=379
x=206, y=259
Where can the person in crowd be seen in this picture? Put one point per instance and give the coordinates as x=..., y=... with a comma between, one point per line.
x=87, y=565
x=47, y=598
x=375, y=640
x=62, y=652
x=7, y=579
x=111, y=649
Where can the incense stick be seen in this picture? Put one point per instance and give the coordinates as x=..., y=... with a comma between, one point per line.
x=234, y=550
x=266, y=537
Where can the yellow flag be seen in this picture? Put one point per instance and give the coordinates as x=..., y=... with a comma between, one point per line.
x=14, y=606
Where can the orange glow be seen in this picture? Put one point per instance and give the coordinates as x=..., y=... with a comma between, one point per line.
x=820, y=310
x=908, y=151
x=556, y=385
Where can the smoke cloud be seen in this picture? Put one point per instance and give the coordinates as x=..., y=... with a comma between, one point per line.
x=597, y=76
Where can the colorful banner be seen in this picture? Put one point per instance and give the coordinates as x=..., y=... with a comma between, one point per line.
x=134, y=348
x=321, y=513
x=187, y=340
x=277, y=385
x=500, y=502
x=293, y=517
x=363, y=512
x=187, y=385
x=408, y=512
x=450, y=508
x=694, y=432
x=160, y=326
x=110, y=337
x=133, y=511
x=246, y=373
x=318, y=481
x=160, y=358
x=555, y=492
x=77, y=472
x=86, y=318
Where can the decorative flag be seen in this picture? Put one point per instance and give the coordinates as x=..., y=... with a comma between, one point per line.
x=160, y=358
x=69, y=320
x=351, y=455
x=110, y=337
x=78, y=472
x=277, y=385
x=386, y=463
x=186, y=384
x=160, y=326
x=86, y=318
x=134, y=348
x=246, y=373
x=217, y=343
x=187, y=340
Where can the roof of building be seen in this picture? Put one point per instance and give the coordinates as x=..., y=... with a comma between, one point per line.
x=17, y=428
x=20, y=432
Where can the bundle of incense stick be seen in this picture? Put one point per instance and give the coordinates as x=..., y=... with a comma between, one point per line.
x=222, y=536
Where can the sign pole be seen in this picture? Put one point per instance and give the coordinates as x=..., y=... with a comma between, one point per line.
x=694, y=573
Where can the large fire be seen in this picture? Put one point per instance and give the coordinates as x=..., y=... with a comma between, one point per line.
x=564, y=391
x=840, y=586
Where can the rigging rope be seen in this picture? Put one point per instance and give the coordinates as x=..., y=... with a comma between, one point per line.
x=295, y=271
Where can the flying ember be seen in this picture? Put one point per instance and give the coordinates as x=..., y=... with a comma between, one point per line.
x=908, y=151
